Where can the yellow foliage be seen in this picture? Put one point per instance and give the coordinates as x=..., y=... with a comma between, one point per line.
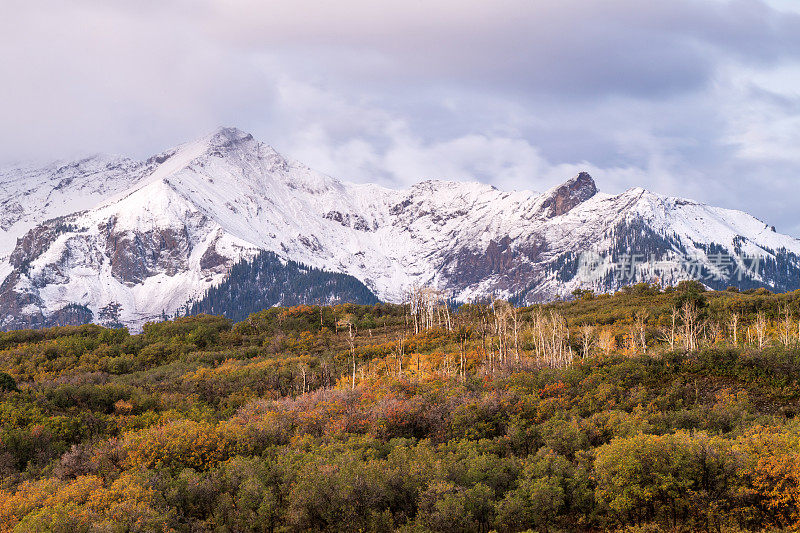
x=177, y=444
x=85, y=502
x=777, y=479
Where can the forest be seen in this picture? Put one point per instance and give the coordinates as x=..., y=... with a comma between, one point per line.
x=651, y=409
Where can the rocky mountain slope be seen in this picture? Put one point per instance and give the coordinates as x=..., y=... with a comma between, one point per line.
x=148, y=237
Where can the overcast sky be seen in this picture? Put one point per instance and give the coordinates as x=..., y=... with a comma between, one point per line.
x=695, y=98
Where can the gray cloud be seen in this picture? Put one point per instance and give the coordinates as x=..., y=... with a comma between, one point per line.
x=573, y=46
x=690, y=97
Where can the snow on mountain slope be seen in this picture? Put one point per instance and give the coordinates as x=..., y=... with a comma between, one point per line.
x=30, y=194
x=151, y=236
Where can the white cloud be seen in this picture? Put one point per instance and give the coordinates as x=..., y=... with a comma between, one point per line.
x=763, y=112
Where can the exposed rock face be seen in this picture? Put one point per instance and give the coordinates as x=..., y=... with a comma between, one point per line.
x=25, y=310
x=36, y=241
x=10, y=212
x=349, y=221
x=508, y=263
x=213, y=261
x=30, y=195
x=20, y=310
x=571, y=193
x=135, y=256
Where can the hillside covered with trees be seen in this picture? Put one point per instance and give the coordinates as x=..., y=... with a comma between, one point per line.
x=646, y=410
x=267, y=281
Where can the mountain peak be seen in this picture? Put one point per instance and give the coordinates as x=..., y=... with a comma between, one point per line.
x=220, y=141
x=572, y=192
x=227, y=136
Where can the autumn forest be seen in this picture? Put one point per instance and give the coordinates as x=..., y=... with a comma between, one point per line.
x=652, y=409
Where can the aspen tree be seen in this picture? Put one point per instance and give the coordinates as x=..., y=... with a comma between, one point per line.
x=608, y=342
x=641, y=329
x=786, y=328
x=733, y=324
x=761, y=328
x=399, y=356
x=673, y=323
x=347, y=322
x=586, y=336
x=690, y=318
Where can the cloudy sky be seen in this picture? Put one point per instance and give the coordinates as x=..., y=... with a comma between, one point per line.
x=696, y=98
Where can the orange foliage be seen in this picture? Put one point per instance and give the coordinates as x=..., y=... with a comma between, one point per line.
x=178, y=444
x=777, y=480
x=85, y=501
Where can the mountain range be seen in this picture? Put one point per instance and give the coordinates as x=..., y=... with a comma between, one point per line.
x=111, y=239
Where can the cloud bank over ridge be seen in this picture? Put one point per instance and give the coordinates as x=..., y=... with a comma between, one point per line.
x=691, y=98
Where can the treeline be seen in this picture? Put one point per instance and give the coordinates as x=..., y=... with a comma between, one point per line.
x=647, y=410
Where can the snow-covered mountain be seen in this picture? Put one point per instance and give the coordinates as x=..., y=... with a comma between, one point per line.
x=150, y=236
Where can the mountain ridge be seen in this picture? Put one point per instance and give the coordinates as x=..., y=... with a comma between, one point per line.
x=156, y=234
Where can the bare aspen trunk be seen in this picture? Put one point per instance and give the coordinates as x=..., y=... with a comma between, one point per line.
x=716, y=331
x=734, y=325
x=786, y=328
x=672, y=330
x=689, y=315
x=515, y=317
x=761, y=328
x=641, y=332
x=586, y=331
